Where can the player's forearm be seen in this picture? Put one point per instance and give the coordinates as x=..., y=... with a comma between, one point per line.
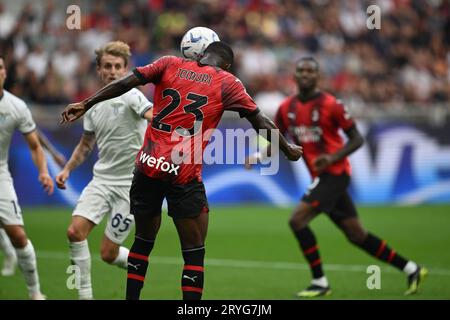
x=38, y=156
x=112, y=90
x=79, y=155
x=354, y=143
x=261, y=121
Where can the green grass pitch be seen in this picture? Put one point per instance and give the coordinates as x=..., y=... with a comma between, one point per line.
x=251, y=254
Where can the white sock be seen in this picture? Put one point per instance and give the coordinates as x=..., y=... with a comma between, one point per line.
x=322, y=282
x=81, y=257
x=122, y=258
x=6, y=245
x=26, y=259
x=410, y=267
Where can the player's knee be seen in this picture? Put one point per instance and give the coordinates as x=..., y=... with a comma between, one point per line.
x=19, y=238
x=74, y=234
x=356, y=236
x=296, y=222
x=108, y=255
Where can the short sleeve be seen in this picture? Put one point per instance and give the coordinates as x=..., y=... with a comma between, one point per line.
x=342, y=115
x=153, y=72
x=87, y=123
x=26, y=122
x=138, y=102
x=236, y=98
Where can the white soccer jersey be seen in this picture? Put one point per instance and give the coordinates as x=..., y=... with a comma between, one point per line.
x=14, y=114
x=119, y=129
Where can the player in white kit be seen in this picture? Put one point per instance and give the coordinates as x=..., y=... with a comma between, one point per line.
x=14, y=114
x=118, y=126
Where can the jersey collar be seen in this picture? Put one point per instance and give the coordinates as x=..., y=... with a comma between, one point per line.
x=314, y=96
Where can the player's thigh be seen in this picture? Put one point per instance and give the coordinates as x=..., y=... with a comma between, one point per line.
x=186, y=200
x=146, y=198
x=188, y=206
x=345, y=216
x=343, y=210
x=10, y=211
x=120, y=220
x=325, y=191
x=146, y=195
x=94, y=202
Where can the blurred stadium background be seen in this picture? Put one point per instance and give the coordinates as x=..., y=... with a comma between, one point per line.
x=395, y=80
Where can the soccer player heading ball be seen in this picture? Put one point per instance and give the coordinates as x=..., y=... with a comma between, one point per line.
x=195, y=41
x=190, y=98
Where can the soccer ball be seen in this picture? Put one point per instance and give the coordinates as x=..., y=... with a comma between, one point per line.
x=196, y=40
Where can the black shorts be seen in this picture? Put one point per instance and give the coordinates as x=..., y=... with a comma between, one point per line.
x=183, y=200
x=328, y=193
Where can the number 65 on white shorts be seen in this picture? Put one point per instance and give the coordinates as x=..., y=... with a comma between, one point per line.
x=99, y=200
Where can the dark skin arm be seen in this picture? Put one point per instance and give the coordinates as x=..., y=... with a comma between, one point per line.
x=261, y=121
x=116, y=88
x=355, y=140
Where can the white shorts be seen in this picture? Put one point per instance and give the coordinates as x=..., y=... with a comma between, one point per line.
x=98, y=200
x=10, y=212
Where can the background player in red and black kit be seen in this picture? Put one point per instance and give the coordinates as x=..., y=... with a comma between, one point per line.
x=313, y=118
x=190, y=98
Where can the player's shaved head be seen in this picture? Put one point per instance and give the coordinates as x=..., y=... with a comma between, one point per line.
x=308, y=59
x=223, y=51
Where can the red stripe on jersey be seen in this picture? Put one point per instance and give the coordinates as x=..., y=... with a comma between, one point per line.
x=138, y=256
x=136, y=277
x=193, y=268
x=311, y=250
x=193, y=289
x=381, y=249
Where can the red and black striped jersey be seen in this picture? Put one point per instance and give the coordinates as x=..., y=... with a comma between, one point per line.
x=314, y=124
x=189, y=101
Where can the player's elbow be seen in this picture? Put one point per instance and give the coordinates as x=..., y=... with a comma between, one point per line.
x=261, y=121
x=359, y=141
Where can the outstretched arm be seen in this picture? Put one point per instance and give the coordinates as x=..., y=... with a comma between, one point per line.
x=116, y=88
x=38, y=156
x=80, y=153
x=56, y=155
x=261, y=121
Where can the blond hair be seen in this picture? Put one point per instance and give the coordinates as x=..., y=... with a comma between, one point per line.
x=114, y=48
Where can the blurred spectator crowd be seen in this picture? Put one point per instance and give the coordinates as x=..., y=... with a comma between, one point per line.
x=406, y=61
